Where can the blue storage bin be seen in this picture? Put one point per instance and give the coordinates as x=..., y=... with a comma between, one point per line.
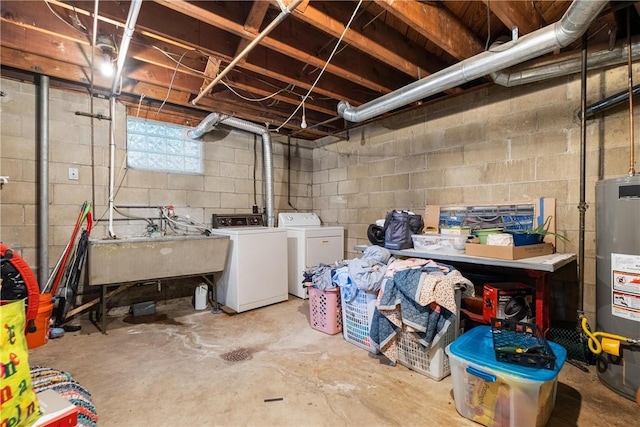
x=496, y=393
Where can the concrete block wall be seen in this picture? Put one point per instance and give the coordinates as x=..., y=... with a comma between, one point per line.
x=495, y=144
x=231, y=160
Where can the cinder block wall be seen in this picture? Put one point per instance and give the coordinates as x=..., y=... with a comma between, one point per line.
x=226, y=186
x=496, y=144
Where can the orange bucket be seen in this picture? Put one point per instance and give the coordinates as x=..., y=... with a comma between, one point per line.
x=41, y=335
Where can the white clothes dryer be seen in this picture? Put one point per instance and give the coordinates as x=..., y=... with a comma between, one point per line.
x=309, y=244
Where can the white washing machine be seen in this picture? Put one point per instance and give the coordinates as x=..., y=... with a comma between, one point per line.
x=256, y=268
x=309, y=244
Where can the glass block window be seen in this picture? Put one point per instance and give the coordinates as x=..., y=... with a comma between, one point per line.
x=162, y=147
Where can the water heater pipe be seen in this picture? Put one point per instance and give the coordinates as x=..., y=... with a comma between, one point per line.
x=632, y=169
x=214, y=119
x=582, y=206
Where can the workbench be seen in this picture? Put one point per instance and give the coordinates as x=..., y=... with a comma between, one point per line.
x=537, y=268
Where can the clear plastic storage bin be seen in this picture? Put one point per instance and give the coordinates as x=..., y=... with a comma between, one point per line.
x=439, y=242
x=497, y=393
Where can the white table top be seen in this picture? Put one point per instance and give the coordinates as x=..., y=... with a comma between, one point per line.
x=548, y=263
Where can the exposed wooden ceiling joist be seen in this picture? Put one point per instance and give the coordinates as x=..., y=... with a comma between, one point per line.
x=179, y=46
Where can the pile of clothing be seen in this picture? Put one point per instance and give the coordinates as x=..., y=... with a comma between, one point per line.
x=414, y=295
x=418, y=298
x=366, y=273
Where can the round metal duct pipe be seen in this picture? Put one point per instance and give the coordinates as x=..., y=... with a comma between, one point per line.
x=213, y=119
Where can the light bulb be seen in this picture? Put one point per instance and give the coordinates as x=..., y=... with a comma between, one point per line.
x=303, y=125
x=106, y=68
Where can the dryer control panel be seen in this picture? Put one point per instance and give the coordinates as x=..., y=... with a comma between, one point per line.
x=236, y=220
x=297, y=219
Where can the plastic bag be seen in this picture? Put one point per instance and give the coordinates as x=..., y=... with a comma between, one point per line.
x=18, y=401
x=398, y=228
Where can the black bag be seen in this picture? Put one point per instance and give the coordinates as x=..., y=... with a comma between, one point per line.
x=398, y=228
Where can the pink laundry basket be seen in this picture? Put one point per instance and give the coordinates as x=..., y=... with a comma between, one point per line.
x=325, y=310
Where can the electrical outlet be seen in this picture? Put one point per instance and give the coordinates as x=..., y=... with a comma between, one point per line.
x=74, y=174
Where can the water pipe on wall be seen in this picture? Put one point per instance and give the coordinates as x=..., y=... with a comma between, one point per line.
x=43, y=180
x=129, y=28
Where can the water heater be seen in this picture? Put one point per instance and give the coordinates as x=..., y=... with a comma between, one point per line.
x=618, y=279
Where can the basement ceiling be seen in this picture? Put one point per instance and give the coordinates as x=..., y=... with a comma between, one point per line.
x=178, y=60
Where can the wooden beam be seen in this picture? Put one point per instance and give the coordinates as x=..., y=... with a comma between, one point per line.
x=247, y=85
x=308, y=57
x=168, y=114
x=51, y=67
x=136, y=88
x=152, y=66
x=32, y=40
x=327, y=23
x=521, y=14
x=253, y=22
x=210, y=71
x=436, y=24
x=262, y=61
x=181, y=30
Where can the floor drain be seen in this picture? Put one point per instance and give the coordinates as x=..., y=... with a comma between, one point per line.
x=236, y=355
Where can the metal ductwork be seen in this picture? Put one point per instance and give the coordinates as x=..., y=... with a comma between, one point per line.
x=214, y=119
x=565, y=64
x=570, y=27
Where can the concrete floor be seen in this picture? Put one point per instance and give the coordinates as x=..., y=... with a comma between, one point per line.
x=173, y=372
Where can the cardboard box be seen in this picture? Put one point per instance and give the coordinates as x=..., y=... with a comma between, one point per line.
x=508, y=252
x=510, y=300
